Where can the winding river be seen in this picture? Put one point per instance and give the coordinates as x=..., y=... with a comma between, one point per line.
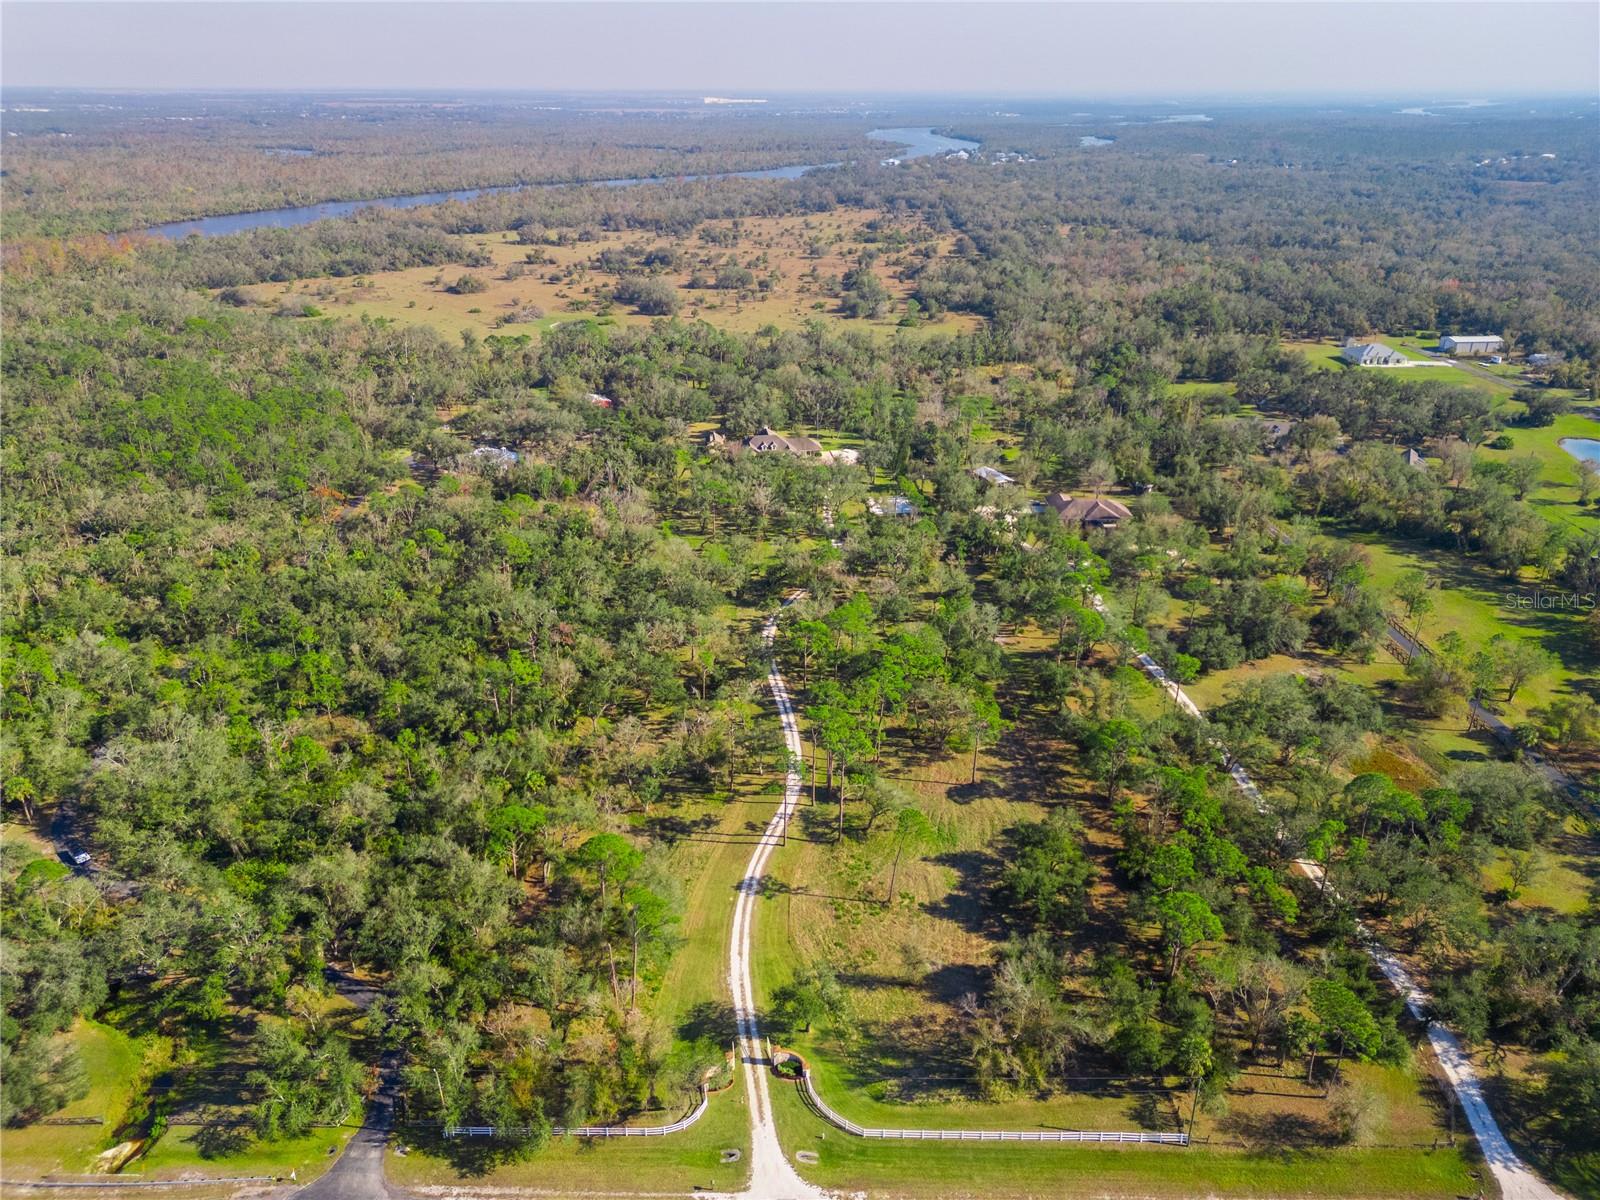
x=918, y=143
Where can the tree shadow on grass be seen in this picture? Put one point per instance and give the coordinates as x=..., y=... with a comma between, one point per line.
x=771, y=889
x=219, y=1141
x=817, y=822
x=672, y=827
x=968, y=793
x=947, y=984
x=470, y=1158
x=710, y=1022
x=969, y=903
x=1281, y=1135
x=1152, y=1110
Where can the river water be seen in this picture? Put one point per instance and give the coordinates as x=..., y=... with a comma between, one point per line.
x=918, y=143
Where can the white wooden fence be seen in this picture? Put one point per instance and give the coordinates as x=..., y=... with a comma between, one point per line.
x=1137, y=1137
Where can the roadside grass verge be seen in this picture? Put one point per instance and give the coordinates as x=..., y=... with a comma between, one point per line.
x=684, y=1162
x=954, y=1170
x=233, y=1150
x=708, y=845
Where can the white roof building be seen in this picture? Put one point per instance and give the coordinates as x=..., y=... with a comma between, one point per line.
x=1474, y=343
x=891, y=506
x=992, y=476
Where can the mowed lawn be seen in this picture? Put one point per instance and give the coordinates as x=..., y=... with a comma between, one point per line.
x=1555, y=495
x=1479, y=603
x=1324, y=356
x=188, y=1151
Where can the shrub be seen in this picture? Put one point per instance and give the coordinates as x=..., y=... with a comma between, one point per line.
x=1357, y=1111
x=652, y=297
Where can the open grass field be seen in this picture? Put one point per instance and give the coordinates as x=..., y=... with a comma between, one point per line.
x=1471, y=599
x=905, y=965
x=1565, y=875
x=1556, y=494
x=803, y=257
x=1324, y=356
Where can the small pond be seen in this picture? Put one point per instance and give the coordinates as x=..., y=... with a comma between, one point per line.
x=1583, y=449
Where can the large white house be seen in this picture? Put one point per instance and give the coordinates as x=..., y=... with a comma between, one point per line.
x=1371, y=354
x=1477, y=343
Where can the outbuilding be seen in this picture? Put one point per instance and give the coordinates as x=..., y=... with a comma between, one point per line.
x=1471, y=344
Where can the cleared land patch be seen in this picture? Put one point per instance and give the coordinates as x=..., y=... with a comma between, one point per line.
x=757, y=271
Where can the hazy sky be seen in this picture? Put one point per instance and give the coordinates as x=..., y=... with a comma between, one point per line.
x=1165, y=49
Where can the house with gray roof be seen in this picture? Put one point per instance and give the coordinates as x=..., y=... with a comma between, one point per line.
x=768, y=442
x=1370, y=354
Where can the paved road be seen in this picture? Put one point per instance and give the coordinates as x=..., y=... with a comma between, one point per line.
x=358, y=1175
x=1516, y=1179
x=771, y=1175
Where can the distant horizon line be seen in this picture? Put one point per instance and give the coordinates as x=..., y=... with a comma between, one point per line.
x=1481, y=98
